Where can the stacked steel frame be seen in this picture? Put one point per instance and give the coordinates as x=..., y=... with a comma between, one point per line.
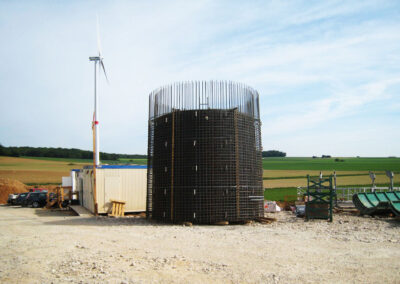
x=204, y=153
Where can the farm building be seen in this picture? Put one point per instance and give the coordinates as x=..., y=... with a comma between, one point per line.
x=126, y=183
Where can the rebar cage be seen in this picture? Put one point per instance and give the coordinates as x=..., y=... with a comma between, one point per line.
x=204, y=153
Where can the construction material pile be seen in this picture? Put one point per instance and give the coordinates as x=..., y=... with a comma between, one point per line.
x=377, y=202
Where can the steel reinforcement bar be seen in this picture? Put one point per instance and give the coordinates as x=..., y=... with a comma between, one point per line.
x=204, y=150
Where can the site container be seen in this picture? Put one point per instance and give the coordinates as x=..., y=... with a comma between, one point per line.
x=126, y=183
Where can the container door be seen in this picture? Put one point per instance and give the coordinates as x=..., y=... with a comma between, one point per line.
x=112, y=190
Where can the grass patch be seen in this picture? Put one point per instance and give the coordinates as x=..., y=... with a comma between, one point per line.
x=348, y=164
x=341, y=175
x=133, y=161
x=279, y=194
x=290, y=193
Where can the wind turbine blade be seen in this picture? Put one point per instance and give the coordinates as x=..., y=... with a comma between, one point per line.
x=98, y=36
x=104, y=70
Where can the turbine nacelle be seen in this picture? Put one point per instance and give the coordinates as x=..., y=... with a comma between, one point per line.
x=99, y=59
x=95, y=58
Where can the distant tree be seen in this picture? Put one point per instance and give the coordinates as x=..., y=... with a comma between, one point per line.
x=273, y=153
x=61, y=153
x=326, y=156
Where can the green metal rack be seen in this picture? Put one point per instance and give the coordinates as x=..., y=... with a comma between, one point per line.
x=319, y=196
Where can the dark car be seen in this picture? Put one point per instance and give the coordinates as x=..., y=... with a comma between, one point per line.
x=24, y=201
x=21, y=197
x=36, y=199
x=12, y=198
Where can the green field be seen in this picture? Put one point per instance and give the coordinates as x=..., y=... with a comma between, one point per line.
x=287, y=163
x=348, y=164
x=281, y=176
x=290, y=193
x=134, y=161
x=43, y=170
x=278, y=194
x=327, y=164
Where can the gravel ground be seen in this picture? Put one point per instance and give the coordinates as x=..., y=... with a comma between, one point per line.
x=40, y=246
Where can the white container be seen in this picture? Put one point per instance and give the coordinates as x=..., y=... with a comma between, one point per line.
x=126, y=183
x=66, y=181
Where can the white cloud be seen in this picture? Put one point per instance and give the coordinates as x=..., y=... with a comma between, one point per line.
x=325, y=60
x=342, y=103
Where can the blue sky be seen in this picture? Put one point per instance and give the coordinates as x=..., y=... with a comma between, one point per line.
x=328, y=72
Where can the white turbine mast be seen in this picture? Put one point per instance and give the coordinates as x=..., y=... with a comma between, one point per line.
x=98, y=64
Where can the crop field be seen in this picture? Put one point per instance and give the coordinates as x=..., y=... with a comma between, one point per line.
x=281, y=175
x=287, y=181
x=42, y=170
x=90, y=161
x=344, y=164
x=36, y=171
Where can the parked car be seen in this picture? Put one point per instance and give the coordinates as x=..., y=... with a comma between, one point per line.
x=21, y=197
x=12, y=198
x=24, y=201
x=36, y=199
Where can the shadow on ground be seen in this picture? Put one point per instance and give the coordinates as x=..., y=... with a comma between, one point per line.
x=105, y=221
x=41, y=212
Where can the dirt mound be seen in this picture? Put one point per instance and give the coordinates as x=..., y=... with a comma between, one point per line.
x=9, y=186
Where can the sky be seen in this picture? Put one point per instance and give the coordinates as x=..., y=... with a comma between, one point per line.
x=328, y=72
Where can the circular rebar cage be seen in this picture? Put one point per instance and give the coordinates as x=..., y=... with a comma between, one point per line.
x=204, y=153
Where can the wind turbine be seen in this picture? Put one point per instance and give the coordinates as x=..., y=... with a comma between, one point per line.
x=98, y=64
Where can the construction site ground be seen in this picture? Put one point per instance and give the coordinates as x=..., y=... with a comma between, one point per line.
x=44, y=246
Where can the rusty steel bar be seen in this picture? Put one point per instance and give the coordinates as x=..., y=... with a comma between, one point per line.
x=204, y=153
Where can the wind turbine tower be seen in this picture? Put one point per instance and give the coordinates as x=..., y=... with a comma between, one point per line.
x=98, y=64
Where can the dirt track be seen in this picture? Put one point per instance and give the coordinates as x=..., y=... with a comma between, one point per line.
x=39, y=246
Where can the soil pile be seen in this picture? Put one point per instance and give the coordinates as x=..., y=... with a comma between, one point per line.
x=9, y=186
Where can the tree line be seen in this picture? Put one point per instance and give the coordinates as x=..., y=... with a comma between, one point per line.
x=273, y=153
x=70, y=153
x=73, y=153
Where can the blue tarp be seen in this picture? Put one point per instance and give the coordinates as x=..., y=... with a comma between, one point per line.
x=122, y=167
x=118, y=167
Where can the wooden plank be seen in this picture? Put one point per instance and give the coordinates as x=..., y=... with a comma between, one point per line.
x=117, y=201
